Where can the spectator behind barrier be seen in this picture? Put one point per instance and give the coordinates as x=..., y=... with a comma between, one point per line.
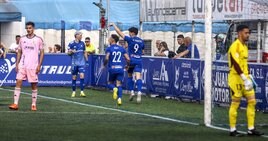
x=90, y=49
x=14, y=46
x=57, y=48
x=157, y=45
x=163, y=50
x=2, y=51
x=50, y=50
x=182, y=47
x=187, y=53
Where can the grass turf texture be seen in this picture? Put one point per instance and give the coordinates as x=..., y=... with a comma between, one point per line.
x=59, y=120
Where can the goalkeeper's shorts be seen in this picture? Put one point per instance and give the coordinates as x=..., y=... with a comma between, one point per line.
x=237, y=87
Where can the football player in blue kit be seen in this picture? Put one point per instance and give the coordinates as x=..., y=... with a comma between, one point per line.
x=115, y=56
x=135, y=52
x=77, y=50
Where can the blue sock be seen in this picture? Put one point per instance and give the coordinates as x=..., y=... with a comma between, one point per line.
x=74, y=85
x=139, y=85
x=130, y=83
x=120, y=92
x=110, y=86
x=82, y=84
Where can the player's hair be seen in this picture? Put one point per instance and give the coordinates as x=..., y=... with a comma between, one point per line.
x=241, y=27
x=17, y=36
x=180, y=36
x=30, y=23
x=134, y=30
x=87, y=38
x=115, y=37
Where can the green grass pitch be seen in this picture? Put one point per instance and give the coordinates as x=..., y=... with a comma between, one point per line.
x=97, y=117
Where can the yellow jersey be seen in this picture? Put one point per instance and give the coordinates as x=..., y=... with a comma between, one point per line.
x=90, y=48
x=238, y=58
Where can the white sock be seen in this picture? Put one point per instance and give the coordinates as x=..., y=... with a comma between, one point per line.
x=232, y=129
x=250, y=128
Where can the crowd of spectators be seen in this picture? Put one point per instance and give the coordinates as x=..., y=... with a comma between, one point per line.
x=184, y=50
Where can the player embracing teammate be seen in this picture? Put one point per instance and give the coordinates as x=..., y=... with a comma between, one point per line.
x=135, y=52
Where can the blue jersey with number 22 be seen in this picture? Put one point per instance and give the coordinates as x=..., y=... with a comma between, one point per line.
x=116, y=64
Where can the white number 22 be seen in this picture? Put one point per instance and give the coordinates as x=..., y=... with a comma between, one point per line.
x=117, y=56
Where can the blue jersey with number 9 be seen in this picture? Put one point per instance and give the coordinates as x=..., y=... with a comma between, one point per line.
x=135, y=47
x=116, y=58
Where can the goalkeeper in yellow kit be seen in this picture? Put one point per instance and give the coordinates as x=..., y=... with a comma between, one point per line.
x=240, y=82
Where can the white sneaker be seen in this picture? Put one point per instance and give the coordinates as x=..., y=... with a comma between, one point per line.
x=131, y=97
x=132, y=94
x=139, y=97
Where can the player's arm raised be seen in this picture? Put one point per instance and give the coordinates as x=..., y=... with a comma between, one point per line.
x=118, y=31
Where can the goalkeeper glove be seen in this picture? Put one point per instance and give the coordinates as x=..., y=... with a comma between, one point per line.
x=255, y=85
x=247, y=82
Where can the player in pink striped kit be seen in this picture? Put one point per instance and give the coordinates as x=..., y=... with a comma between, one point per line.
x=28, y=64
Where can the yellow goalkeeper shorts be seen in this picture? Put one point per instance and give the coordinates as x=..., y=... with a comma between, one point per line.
x=237, y=87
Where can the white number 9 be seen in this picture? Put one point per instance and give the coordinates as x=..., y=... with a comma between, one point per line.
x=136, y=47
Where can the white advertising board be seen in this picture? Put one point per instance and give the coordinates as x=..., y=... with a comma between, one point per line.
x=162, y=10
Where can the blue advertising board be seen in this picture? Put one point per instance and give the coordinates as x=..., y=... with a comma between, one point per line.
x=183, y=78
x=55, y=71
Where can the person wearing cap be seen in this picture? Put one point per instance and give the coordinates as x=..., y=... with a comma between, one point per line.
x=220, y=47
x=90, y=48
x=77, y=51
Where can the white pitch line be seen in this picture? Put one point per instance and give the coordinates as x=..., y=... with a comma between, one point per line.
x=108, y=108
x=225, y=129
x=129, y=112
x=42, y=112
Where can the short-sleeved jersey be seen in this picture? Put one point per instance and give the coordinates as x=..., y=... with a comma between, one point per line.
x=90, y=48
x=181, y=48
x=30, y=48
x=238, y=52
x=135, y=47
x=116, y=58
x=78, y=58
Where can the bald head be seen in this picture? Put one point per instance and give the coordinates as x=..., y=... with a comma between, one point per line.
x=158, y=44
x=187, y=41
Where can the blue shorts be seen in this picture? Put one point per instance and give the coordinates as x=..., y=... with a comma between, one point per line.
x=135, y=66
x=76, y=69
x=113, y=76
